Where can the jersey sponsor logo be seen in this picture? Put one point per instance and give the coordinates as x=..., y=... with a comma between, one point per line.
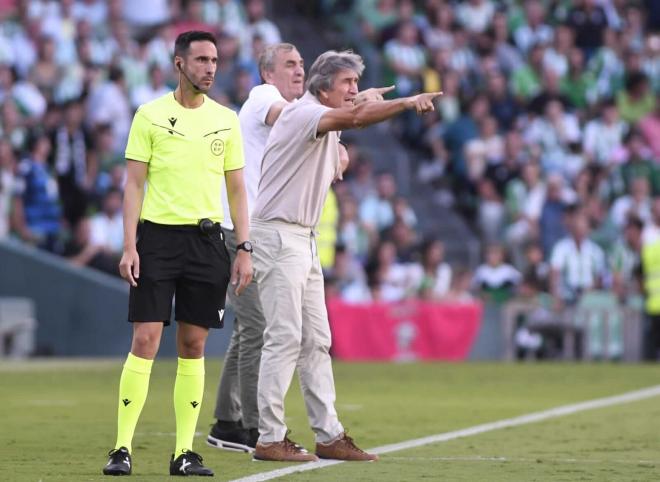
x=217, y=147
x=172, y=121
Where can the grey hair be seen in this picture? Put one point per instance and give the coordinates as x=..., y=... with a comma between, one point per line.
x=267, y=57
x=322, y=73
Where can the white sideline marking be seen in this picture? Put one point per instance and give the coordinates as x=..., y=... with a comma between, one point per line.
x=467, y=432
x=481, y=458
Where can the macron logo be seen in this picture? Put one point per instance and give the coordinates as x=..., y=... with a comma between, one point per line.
x=126, y=402
x=194, y=404
x=221, y=314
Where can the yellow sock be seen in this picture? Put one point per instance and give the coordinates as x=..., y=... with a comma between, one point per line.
x=188, y=392
x=133, y=388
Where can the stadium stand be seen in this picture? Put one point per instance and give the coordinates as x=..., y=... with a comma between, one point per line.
x=550, y=112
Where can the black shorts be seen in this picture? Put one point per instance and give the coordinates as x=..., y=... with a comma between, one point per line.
x=183, y=262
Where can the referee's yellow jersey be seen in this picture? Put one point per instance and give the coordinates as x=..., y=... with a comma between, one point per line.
x=188, y=152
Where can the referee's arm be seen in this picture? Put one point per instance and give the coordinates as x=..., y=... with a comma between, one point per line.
x=136, y=176
x=241, y=272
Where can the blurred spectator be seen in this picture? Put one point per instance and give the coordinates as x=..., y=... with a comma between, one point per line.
x=59, y=24
x=514, y=155
x=349, y=277
x=625, y=261
x=377, y=210
x=637, y=204
x=190, y=17
x=577, y=263
x=554, y=132
x=94, y=11
x=403, y=212
x=649, y=126
x=227, y=15
x=607, y=65
x=459, y=290
x=12, y=126
x=635, y=160
x=46, y=72
x=551, y=220
x=438, y=34
x=636, y=100
x=464, y=129
x=74, y=161
x=536, y=275
x=405, y=56
x=395, y=280
x=7, y=168
x=491, y=212
x=35, y=209
x=257, y=24
x=603, y=136
x=526, y=79
x=437, y=273
x=108, y=104
x=352, y=234
x=81, y=251
x=578, y=85
x=150, y=14
x=106, y=228
x=508, y=57
x=405, y=241
x=556, y=57
x=534, y=31
x=502, y=104
x=550, y=91
x=589, y=21
x=496, y=280
x=525, y=198
x=486, y=149
x=475, y=15
x=152, y=90
x=362, y=182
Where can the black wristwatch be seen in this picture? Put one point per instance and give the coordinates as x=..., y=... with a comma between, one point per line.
x=245, y=246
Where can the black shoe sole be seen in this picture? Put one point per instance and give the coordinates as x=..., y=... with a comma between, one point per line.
x=217, y=443
x=191, y=475
x=115, y=472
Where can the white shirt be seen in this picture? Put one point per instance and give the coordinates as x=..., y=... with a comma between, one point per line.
x=496, y=276
x=107, y=232
x=255, y=131
x=578, y=268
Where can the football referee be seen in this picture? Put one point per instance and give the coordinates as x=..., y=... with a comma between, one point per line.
x=180, y=145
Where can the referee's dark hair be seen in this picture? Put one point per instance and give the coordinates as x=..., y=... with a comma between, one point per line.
x=183, y=41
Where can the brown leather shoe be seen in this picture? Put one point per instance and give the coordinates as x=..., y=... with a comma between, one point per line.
x=284, y=451
x=343, y=448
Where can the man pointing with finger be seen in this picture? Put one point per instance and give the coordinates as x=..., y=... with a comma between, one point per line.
x=180, y=145
x=301, y=160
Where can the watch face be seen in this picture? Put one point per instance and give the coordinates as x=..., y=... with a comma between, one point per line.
x=246, y=246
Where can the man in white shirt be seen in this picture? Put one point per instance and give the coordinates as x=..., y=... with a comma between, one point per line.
x=107, y=226
x=301, y=160
x=281, y=69
x=577, y=263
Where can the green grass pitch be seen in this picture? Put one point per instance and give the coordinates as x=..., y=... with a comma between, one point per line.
x=58, y=422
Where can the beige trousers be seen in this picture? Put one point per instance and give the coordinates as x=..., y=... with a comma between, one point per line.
x=297, y=332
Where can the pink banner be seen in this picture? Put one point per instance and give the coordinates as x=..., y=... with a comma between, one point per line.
x=409, y=330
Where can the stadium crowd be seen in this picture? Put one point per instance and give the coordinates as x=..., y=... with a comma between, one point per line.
x=547, y=137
